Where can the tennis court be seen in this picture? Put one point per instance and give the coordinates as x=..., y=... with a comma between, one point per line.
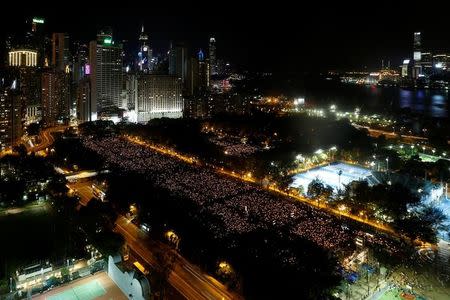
x=87, y=291
x=336, y=175
x=98, y=286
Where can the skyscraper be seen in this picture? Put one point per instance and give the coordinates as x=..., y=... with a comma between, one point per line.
x=158, y=96
x=417, y=55
x=38, y=40
x=23, y=67
x=55, y=96
x=178, y=61
x=83, y=96
x=60, y=50
x=80, y=62
x=10, y=116
x=203, y=71
x=105, y=61
x=145, y=54
x=212, y=56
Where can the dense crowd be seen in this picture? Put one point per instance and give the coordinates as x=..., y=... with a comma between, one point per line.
x=234, y=146
x=240, y=207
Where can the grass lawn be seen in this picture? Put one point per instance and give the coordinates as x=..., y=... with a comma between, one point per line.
x=32, y=235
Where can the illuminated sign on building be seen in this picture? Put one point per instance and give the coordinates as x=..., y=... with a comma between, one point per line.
x=107, y=41
x=87, y=69
x=38, y=20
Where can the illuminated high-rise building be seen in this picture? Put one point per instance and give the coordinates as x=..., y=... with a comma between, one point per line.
x=178, y=61
x=60, y=51
x=105, y=67
x=81, y=66
x=23, y=67
x=158, y=96
x=203, y=71
x=55, y=96
x=37, y=40
x=11, y=114
x=417, y=55
x=83, y=96
x=212, y=56
x=145, y=54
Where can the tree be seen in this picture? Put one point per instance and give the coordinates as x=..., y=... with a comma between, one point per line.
x=166, y=262
x=318, y=190
x=108, y=242
x=315, y=188
x=423, y=224
x=33, y=129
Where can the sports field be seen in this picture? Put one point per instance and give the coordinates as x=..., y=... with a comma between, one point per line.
x=98, y=286
x=87, y=291
x=334, y=175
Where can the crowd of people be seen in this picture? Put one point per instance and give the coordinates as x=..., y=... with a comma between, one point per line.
x=240, y=207
x=234, y=146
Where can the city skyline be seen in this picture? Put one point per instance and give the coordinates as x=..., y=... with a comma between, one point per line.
x=225, y=151
x=279, y=41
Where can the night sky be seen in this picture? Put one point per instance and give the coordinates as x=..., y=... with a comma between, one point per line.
x=266, y=37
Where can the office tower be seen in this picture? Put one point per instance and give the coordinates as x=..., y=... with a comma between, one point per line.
x=55, y=96
x=145, y=54
x=129, y=91
x=80, y=62
x=10, y=116
x=192, y=79
x=417, y=54
x=83, y=95
x=417, y=46
x=203, y=71
x=105, y=61
x=212, y=56
x=37, y=40
x=23, y=67
x=178, y=61
x=427, y=63
x=158, y=96
x=60, y=51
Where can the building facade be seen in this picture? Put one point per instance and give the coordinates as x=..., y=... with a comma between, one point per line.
x=158, y=96
x=212, y=56
x=60, y=51
x=105, y=68
x=55, y=96
x=10, y=117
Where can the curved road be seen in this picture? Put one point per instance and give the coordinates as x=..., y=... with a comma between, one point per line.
x=47, y=138
x=186, y=278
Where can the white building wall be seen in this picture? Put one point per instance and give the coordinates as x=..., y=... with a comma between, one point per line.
x=129, y=285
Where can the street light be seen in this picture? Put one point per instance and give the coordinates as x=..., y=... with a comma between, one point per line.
x=387, y=164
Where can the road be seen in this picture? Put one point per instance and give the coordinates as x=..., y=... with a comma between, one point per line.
x=409, y=139
x=83, y=189
x=186, y=278
x=47, y=138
